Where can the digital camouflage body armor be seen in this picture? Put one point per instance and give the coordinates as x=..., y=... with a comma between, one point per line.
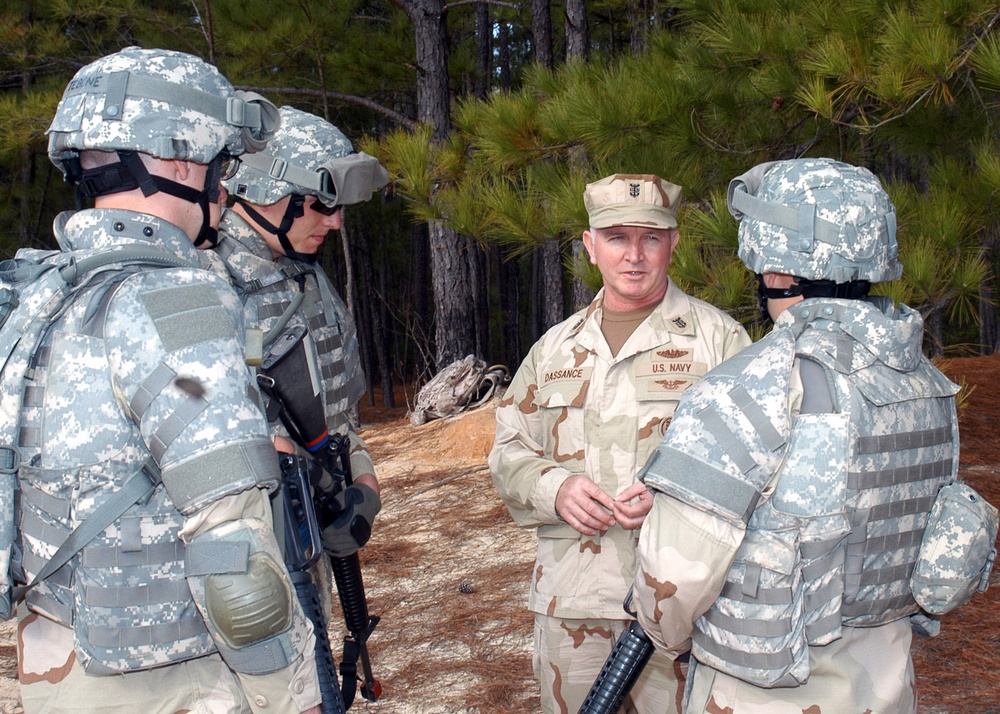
x=835, y=542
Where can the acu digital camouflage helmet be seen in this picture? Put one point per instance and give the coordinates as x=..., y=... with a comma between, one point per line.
x=168, y=104
x=817, y=219
x=308, y=156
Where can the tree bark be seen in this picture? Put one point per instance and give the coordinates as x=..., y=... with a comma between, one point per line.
x=638, y=24
x=541, y=32
x=503, y=40
x=582, y=295
x=576, y=30
x=454, y=302
x=553, y=305
x=484, y=36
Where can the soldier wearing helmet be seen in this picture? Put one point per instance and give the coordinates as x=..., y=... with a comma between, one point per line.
x=287, y=199
x=794, y=485
x=143, y=376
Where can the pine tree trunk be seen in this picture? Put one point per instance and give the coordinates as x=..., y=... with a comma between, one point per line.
x=503, y=42
x=638, y=24
x=582, y=295
x=576, y=30
x=362, y=309
x=484, y=36
x=553, y=308
x=454, y=305
x=541, y=32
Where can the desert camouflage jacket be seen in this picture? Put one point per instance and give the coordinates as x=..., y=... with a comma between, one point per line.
x=267, y=287
x=572, y=408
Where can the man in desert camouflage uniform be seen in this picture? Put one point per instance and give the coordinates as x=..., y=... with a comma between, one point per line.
x=793, y=485
x=586, y=408
x=147, y=374
x=288, y=198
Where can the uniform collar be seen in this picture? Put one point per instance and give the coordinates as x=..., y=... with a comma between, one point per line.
x=672, y=316
x=104, y=228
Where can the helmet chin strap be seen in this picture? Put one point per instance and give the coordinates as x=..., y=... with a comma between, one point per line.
x=294, y=209
x=130, y=173
x=854, y=290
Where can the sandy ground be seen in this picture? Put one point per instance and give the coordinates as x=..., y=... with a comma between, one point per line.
x=447, y=573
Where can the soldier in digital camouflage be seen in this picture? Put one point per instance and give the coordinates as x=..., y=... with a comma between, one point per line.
x=587, y=406
x=145, y=373
x=793, y=487
x=287, y=199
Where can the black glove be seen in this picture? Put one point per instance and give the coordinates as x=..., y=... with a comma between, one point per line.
x=353, y=527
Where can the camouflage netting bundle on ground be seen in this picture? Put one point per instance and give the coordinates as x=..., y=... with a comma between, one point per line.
x=464, y=384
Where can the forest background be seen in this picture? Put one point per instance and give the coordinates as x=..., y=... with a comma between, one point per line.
x=492, y=115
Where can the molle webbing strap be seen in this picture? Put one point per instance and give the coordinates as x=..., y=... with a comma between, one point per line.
x=881, y=576
x=115, y=557
x=893, y=541
x=150, y=388
x=823, y=626
x=753, y=412
x=33, y=564
x=154, y=593
x=734, y=591
x=758, y=660
x=878, y=607
x=731, y=444
x=134, y=636
x=898, y=509
x=899, y=475
x=750, y=627
x=174, y=425
x=907, y=440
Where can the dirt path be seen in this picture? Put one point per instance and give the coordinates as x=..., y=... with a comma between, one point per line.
x=447, y=572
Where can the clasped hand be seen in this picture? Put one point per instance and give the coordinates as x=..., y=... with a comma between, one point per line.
x=587, y=508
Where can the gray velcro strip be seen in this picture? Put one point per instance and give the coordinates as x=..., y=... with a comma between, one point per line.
x=213, y=557
x=877, y=607
x=732, y=495
x=188, y=316
x=231, y=469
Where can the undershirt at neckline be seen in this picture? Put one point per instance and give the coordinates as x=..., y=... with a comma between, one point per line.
x=617, y=327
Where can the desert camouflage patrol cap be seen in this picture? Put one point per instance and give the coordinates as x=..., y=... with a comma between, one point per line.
x=632, y=200
x=818, y=219
x=308, y=156
x=171, y=105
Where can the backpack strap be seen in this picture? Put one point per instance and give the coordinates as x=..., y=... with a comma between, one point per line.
x=138, y=488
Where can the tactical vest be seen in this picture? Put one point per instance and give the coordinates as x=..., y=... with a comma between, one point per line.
x=132, y=573
x=271, y=299
x=836, y=542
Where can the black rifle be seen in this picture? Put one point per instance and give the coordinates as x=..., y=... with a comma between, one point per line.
x=302, y=550
x=620, y=671
x=285, y=379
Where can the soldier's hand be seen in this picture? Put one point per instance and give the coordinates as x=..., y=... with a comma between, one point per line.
x=632, y=505
x=358, y=505
x=581, y=503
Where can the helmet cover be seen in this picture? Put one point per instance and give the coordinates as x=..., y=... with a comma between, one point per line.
x=817, y=219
